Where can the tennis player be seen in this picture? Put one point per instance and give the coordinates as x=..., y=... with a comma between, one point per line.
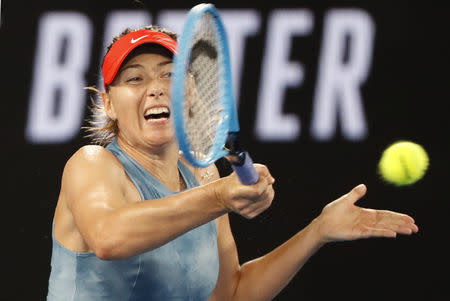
x=135, y=222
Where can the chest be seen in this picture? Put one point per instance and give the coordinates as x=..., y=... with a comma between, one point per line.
x=187, y=266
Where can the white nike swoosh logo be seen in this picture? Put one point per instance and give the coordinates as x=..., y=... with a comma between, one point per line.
x=134, y=41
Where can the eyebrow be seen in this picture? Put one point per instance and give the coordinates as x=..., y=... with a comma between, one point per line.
x=131, y=66
x=163, y=63
x=160, y=64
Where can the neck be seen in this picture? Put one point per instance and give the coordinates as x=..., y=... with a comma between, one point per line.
x=161, y=162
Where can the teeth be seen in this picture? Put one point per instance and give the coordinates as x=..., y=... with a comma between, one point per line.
x=156, y=110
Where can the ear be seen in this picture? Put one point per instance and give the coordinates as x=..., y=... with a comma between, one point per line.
x=108, y=105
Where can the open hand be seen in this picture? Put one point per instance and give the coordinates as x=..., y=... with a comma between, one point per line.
x=343, y=220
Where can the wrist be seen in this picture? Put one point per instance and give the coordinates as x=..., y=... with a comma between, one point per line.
x=214, y=190
x=316, y=228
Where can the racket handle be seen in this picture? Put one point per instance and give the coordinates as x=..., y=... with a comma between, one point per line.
x=246, y=172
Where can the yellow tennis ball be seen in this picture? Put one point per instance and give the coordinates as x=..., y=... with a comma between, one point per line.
x=403, y=163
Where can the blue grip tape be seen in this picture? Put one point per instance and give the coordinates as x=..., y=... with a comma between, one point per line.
x=246, y=173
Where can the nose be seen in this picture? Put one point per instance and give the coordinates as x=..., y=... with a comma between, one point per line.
x=155, y=92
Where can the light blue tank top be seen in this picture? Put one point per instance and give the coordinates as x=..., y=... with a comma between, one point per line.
x=186, y=268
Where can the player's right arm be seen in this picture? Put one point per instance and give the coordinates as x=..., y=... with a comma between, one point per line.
x=107, y=213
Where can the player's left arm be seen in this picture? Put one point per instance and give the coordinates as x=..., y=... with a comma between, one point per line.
x=264, y=277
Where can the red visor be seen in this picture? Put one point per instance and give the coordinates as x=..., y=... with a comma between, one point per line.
x=123, y=46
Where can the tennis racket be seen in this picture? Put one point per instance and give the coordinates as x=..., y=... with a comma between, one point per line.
x=203, y=105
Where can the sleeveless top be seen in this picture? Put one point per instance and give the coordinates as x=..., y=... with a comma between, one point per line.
x=185, y=268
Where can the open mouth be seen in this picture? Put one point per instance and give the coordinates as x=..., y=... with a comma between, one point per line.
x=157, y=113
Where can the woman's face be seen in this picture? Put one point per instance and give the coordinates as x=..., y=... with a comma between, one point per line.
x=140, y=101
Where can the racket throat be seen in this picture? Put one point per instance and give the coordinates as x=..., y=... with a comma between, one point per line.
x=237, y=154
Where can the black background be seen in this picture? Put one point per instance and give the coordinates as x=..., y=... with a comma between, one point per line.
x=405, y=97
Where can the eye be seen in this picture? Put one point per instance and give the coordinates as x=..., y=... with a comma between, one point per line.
x=134, y=79
x=167, y=75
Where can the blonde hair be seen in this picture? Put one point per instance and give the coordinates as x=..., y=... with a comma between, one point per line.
x=102, y=129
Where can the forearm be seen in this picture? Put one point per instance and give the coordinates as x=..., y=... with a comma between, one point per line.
x=143, y=226
x=265, y=277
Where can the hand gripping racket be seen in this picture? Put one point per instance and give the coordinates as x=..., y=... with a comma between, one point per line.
x=203, y=105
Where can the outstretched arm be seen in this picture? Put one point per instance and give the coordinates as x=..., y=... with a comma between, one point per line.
x=265, y=277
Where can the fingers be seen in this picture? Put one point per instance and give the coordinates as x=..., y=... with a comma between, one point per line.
x=376, y=232
x=399, y=222
x=264, y=173
x=399, y=228
x=253, y=209
x=403, y=224
x=386, y=223
x=256, y=198
x=254, y=192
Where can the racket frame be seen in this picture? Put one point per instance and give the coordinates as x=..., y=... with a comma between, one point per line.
x=228, y=128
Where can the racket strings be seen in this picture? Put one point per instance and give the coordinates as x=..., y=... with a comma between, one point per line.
x=203, y=96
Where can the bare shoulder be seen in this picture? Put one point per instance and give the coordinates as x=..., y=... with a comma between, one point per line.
x=93, y=160
x=91, y=154
x=89, y=166
x=204, y=175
